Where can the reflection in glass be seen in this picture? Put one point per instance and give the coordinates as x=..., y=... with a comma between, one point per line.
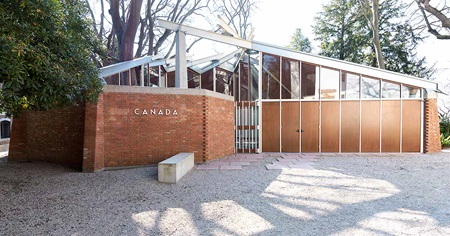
x=271, y=77
x=243, y=68
x=370, y=88
x=329, y=83
x=309, y=81
x=193, y=79
x=208, y=80
x=223, y=81
x=390, y=90
x=290, y=88
x=254, y=73
x=410, y=92
x=350, y=86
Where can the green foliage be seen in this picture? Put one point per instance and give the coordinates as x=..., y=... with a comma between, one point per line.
x=445, y=140
x=345, y=34
x=300, y=42
x=45, y=55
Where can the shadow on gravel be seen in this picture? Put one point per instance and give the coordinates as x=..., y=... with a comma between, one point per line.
x=342, y=196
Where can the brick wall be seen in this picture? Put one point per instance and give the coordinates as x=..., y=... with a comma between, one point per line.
x=431, y=126
x=52, y=136
x=111, y=134
x=218, y=138
x=203, y=125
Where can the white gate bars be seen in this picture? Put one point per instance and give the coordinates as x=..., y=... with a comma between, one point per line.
x=246, y=127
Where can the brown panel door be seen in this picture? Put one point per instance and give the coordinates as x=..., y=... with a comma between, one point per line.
x=411, y=126
x=290, y=123
x=350, y=126
x=310, y=126
x=330, y=126
x=271, y=127
x=390, y=133
x=370, y=126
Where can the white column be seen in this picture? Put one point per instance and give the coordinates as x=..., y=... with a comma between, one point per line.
x=181, y=77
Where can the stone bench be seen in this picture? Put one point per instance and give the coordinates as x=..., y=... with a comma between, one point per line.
x=173, y=169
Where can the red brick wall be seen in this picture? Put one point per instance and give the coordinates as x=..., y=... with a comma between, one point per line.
x=110, y=134
x=204, y=126
x=218, y=139
x=432, y=141
x=52, y=136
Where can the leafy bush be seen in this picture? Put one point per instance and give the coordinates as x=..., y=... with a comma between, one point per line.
x=445, y=141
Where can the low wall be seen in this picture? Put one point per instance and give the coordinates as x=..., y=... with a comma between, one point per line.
x=51, y=136
x=129, y=126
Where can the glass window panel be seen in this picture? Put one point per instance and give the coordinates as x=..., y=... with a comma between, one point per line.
x=390, y=90
x=193, y=79
x=290, y=88
x=254, y=73
x=153, y=75
x=171, y=79
x=329, y=83
x=5, y=129
x=350, y=86
x=271, y=77
x=410, y=92
x=208, y=80
x=310, y=84
x=370, y=88
x=244, y=81
x=223, y=79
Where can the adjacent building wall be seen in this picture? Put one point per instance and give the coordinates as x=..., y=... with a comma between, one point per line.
x=51, y=136
x=431, y=142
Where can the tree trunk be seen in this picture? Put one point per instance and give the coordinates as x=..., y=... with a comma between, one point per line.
x=376, y=35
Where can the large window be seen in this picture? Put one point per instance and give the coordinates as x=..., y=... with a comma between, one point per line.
x=410, y=92
x=329, y=83
x=309, y=81
x=290, y=88
x=271, y=77
x=390, y=90
x=370, y=88
x=349, y=86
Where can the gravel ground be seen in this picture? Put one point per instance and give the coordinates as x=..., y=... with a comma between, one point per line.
x=342, y=196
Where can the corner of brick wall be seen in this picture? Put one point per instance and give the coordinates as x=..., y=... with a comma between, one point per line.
x=432, y=141
x=93, y=148
x=218, y=129
x=18, y=150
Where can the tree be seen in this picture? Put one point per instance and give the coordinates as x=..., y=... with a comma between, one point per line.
x=300, y=42
x=345, y=33
x=45, y=55
x=341, y=30
x=435, y=18
x=370, y=11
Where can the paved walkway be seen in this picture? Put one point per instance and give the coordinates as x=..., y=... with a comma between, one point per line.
x=278, y=161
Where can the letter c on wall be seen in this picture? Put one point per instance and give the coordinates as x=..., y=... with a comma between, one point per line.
x=136, y=111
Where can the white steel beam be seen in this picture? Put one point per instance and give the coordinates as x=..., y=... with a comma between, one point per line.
x=123, y=66
x=181, y=77
x=220, y=61
x=222, y=24
x=197, y=62
x=205, y=34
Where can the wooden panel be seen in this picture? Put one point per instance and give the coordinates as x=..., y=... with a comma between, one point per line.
x=271, y=127
x=330, y=126
x=310, y=125
x=411, y=126
x=290, y=123
x=370, y=126
x=350, y=126
x=390, y=134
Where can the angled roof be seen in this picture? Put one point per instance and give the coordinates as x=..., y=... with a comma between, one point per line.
x=302, y=56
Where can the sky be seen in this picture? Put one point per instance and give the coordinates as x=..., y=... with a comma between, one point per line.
x=275, y=22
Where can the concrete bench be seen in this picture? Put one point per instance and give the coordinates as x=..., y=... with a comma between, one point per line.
x=173, y=169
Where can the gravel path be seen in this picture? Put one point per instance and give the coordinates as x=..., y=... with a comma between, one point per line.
x=340, y=196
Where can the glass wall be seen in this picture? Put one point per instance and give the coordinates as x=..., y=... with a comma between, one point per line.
x=271, y=77
x=309, y=81
x=329, y=84
x=290, y=88
x=349, y=86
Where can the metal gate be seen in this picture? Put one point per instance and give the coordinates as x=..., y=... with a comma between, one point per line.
x=246, y=127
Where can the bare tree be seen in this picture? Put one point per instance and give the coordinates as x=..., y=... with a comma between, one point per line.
x=435, y=18
x=370, y=10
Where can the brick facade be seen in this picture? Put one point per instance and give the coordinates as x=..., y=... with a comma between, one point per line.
x=110, y=134
x=431, y=139
x=51, y=136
